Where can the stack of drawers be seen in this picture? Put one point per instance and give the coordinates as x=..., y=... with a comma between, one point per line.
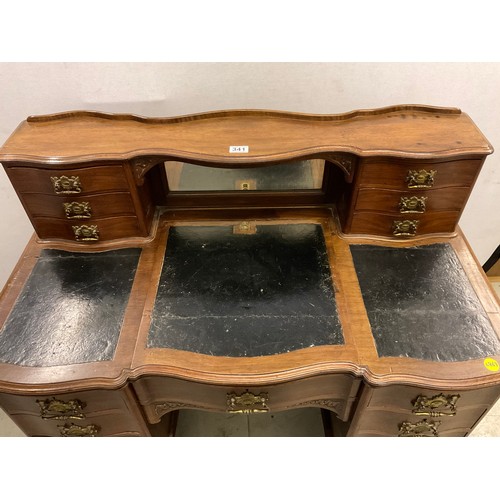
x=79, y=414
x=406, y=198
x=83, y=204
x=405, y=411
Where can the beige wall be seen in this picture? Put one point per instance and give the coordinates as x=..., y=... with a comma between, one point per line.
x=166, y=89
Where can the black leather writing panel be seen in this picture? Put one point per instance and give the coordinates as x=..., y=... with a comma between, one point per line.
x=259, y=294
x=421, y=304
x=70, y=310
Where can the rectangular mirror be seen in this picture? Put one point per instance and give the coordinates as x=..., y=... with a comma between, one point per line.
x=290, y=176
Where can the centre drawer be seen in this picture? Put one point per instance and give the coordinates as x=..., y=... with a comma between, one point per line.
x=159, y=395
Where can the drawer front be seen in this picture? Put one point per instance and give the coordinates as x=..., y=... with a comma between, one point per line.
x=70, y=182
x=87, y=231
x=159, y=395
x=418, y=176
x=79, y=208
x=407, y=202
x=85, y=414
x=404, y=225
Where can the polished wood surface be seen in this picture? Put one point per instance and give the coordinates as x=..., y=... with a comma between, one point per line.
x=119, y=162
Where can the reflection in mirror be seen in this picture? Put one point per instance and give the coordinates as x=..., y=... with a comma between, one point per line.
x=296, y=175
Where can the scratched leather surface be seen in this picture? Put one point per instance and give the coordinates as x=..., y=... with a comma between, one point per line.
x=421, y=304
x=237, y=295
x=70, y=310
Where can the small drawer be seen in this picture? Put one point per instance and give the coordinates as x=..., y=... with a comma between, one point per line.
x=418, y=176
x=404, y=225
x=87, y=231
x=407, y=202
x=159, y=395
x=69, y=182
x=79, y=208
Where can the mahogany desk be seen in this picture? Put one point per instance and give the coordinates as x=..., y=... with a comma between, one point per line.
x=248, y=261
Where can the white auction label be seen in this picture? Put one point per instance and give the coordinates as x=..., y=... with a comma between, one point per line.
x=238, y=149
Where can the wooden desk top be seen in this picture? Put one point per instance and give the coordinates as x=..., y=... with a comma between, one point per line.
x=407, y=131
x=358, y=352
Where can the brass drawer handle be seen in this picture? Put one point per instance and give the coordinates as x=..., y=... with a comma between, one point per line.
x=423, y=428
x=67, y=185
x=412, y=205
x=420, y=178
x=78, y=210
x=405, y=228
x=55, y=409
x=436, y=406
x=247, y=402
x=73, y=430
x=86, y=233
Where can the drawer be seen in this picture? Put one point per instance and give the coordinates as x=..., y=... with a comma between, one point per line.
x=435, y=200
x=402, y=175
x=405, y=225
x=69, y=182
x=159, y=395
x=87, y=413
x=79, y=208
x=87, y=231
x=393, y=424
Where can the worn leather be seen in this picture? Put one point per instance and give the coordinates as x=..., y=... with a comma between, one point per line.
x=70, y=310
x=421, y=304
x=238, y=295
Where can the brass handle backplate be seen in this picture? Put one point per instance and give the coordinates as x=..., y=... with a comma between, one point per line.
x=436, y=406
x=423, y=428
x=247, y=402
x=77, y=210
x=405, y=228
x=420, y=178
x=412, y=205
x=73, y=430
x=67, y=185
x=86, y=233
x=55, y=409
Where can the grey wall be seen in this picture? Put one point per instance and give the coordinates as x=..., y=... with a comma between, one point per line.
x=167, y=89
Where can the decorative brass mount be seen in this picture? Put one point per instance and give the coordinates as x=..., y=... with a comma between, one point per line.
x=86, y=233
x=405, y=228
x=412, y=205
x=247, y=402
x=73, y=430
x=431, y=406
x=420, y=178
x=55, y=409
x=67, y=185
x=423, y=428
x=78, y=210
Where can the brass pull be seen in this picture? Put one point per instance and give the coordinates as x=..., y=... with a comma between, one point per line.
x=86, y=233
x=247, y=402
x=77, y=210
x=436, y=406
x=419, y=429
x=412, y=205
x=55, y=409
x=66, y=185
x=73, y=430
x=420, y=178
x=405, y=228
x=246, y=184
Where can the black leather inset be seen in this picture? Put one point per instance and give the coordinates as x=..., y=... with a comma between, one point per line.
x=70, y=310
x=421, y=304
x=237, y=295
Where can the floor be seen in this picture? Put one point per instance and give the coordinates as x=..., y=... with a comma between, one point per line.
x=306, y=422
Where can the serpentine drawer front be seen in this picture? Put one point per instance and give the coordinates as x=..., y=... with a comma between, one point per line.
x=248, y=262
